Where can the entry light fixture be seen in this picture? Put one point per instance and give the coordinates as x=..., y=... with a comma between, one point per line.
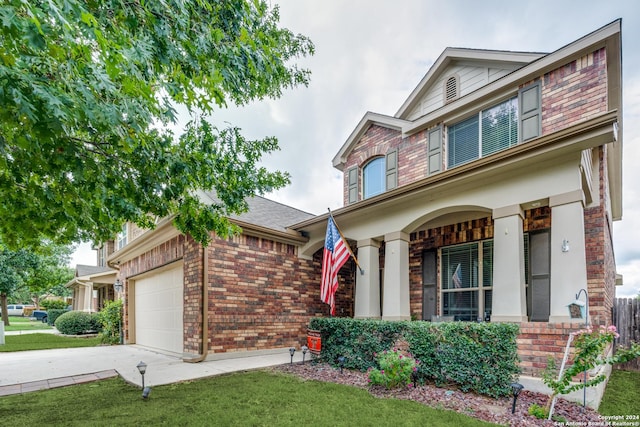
x=565, y=245
x=292, y=351
x=118, y=286
x=516, y=388
x=142, y=368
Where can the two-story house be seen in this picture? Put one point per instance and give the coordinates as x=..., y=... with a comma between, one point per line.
x=489, y=195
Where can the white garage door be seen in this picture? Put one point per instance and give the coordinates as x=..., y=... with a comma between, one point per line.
x=158, y=309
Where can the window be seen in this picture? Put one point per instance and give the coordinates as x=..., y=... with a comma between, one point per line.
x=374, y=177
x=379, y=175
x=492, y=130
x=467, y=280
x=121, y=240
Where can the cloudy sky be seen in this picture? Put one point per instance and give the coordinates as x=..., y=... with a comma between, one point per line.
x=370, y=54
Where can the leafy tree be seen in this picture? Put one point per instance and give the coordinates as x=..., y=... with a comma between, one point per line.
x=14, y=269
x=27, y=274
x=87, y=88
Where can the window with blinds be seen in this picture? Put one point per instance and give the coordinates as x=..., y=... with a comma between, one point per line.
x=492, y=130
x=467, y=279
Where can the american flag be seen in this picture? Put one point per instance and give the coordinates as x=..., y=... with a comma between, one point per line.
x=457, y=277
x=336, y=253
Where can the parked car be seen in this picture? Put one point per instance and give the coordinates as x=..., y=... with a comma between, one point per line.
x=40, y=315
x=14, y=310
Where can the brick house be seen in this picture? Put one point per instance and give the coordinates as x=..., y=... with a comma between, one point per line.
x=489, y=195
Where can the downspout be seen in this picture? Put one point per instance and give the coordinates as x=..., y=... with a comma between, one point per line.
x=205, y=309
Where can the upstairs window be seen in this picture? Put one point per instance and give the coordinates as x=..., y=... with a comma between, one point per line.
x=121, y=240
x=374, y=177
x=491, y=130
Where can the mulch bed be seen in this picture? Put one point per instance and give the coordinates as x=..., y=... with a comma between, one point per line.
x=481, y=407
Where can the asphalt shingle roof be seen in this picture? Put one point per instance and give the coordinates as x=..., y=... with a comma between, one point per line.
x=265, y=213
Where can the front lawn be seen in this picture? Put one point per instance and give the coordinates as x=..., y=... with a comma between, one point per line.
x=25, y=324
x=622, y=396
x=256, y=398
x=45, y=342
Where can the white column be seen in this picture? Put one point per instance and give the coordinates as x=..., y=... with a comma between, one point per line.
x=509, y=295
x=568, y=253
x=395, y=303
x=367, y=304
x=88, y=296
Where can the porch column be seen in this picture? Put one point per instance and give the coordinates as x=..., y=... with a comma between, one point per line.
x=395, y=303
x=568, y=254
x=509, y=303
x=88, y=296
x=367, y=304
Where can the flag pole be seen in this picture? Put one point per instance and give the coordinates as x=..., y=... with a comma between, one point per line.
x=345, y=241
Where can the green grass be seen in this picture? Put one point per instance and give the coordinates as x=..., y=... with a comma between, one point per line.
x=622, y=396
x=256, y=398
x=25, y=324
x=44, y=342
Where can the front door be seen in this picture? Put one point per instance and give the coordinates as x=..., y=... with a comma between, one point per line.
x=540, y=274
x=429, y=288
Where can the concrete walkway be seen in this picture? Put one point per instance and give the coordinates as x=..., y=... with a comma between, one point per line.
x=25, y=371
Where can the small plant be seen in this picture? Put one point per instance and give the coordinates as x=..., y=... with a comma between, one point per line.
x=78, y=323
x=540, y=412
x=395, y=369
x=590, y=346
x=110, y=318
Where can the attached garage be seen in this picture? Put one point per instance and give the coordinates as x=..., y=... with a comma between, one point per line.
x=159, y=302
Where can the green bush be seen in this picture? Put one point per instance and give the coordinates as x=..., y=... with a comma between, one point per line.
x=110, y=318
x=53, y=314
x=395, y=369
x=53, y=304
x=479, y=357
x=78, y=323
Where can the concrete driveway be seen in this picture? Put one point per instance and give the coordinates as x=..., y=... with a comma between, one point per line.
x=30, y=366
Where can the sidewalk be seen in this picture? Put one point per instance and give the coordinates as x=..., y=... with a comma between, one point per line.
x=26, y=371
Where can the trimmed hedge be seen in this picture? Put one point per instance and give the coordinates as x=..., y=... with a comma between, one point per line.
x=78, y=323
x=479, y=357
x=53, y=314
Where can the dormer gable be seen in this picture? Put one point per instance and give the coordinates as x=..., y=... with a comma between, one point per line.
x=458, y=72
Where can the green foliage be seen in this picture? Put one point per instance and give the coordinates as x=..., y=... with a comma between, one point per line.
x=395, y=369
x=78, y=323
x=110, y=319
x=590, y=345
x=53, y=304
x=480, y=357
x=88, y=90
x=53, y=314
x=540, y=412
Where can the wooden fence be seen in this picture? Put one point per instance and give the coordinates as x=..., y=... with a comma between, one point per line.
x=626, y=317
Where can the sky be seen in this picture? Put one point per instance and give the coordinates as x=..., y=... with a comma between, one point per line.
x=370, y=55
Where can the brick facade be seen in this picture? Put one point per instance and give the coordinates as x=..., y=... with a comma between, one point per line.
x=574, y=92
x=261, y=294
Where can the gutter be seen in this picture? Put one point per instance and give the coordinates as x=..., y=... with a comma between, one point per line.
x=205, y=309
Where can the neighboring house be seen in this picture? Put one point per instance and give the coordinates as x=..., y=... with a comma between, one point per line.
x=489, y=195
x=92, y=286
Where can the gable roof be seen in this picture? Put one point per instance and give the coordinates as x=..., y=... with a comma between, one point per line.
x=452, y=54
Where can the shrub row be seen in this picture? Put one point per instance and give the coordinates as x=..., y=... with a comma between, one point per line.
x=78, y=323
x=53, y=314
x=479, y=357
